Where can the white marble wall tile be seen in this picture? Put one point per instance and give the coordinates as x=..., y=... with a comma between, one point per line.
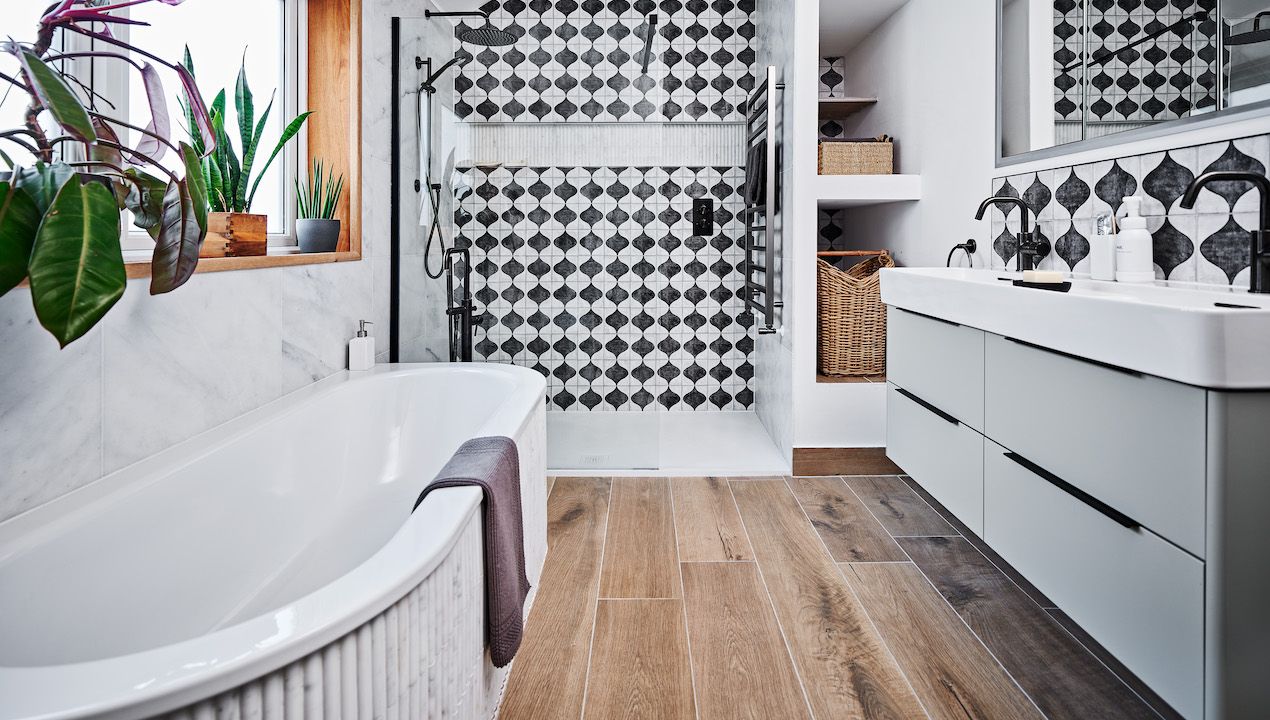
x=178, y=364
x=50, y=409
x=321, y=307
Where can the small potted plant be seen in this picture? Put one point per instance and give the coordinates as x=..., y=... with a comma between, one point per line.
x=233, y=230
x=316, y=227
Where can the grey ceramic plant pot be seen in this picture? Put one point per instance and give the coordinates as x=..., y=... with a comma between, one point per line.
x=317, y=234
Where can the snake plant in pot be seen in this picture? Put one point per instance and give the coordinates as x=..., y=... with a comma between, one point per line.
x=61, y=217
x=234, y=229
x=317, y=229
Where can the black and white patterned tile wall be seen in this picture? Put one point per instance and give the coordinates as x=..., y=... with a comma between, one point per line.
x=1208, y=244
x=592, y=276
x=579, y=61
x=1162, y=79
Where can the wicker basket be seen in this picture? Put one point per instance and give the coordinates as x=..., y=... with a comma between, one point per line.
x=857, y=158
x=852, y=318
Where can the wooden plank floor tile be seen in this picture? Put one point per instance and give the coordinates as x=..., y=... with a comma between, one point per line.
x=849, y=530
x=706, y=522
x=639, y=666
x=845, y=669
x=639, y=555
x=897, y=507
x=549, y=674
x=1064, y=679
x=980, y=545
x=739, y=660
x=952, y=672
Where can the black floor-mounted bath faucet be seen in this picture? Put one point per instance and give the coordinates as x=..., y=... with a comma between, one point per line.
x=1030, y=250
x=1260, y=254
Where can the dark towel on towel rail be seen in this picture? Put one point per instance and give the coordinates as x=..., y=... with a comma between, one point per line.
x=493, y=464
x=756, y=174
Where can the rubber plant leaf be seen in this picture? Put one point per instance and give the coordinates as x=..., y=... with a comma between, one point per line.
x=176, y=249
x=287, y=134
x=58, y=98
x=19, y=221
x=202, y=119
x=43, y=182
x=102, y=153
x=77, y=271
x=160, y=119
x=145, y=200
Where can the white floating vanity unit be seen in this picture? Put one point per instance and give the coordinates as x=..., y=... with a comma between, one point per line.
x=1112, y=443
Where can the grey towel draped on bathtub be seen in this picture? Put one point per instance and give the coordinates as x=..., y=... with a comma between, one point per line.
x=493, y=464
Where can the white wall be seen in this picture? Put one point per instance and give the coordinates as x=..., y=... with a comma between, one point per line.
x=932, y=67
x=159, y=370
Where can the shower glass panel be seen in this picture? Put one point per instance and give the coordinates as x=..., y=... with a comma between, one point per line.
x=570, y=175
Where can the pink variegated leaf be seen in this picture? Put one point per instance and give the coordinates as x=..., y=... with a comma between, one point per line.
x=160, y=120
x=202, y=118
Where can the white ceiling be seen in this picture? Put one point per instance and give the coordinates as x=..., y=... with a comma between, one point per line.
x=460, y=5
x=844, y=23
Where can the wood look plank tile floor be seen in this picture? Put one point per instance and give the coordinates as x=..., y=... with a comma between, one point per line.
x=776, y=598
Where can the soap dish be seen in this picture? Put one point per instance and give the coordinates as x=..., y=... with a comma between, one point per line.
x=1052, y=287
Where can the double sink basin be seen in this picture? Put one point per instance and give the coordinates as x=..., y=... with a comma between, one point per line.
x=1206, y=337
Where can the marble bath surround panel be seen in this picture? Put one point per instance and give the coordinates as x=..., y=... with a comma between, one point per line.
x=1208, y=244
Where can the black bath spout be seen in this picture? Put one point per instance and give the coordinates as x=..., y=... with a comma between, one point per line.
x=1259, y=269
x=1030, y=250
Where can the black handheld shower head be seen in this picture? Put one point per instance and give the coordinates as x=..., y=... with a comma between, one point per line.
x=648, y=43
x=429, y=85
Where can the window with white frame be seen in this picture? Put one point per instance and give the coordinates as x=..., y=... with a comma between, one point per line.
x=221, y=35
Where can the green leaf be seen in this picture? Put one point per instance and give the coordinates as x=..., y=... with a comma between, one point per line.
x=43, y=182
x=291, y=130
x=58, y=98
x=145, y=200
x=19, y=221
x=249, y=155
x=197, y=189
x=77, y=271
x=245, y=108
x=176, y=250
x=101, y=153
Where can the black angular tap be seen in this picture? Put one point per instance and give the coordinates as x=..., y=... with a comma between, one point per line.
x=1259, y=270
x=1030, y=249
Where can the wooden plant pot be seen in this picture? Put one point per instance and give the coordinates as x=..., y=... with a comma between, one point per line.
x=235, y=235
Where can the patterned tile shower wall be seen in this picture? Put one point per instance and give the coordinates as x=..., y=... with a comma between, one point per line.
x=592, y=276
x=579, y=61
x=1207, y=245
x=1163, y=79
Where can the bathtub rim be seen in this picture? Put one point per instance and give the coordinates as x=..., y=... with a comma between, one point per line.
x=129, y=685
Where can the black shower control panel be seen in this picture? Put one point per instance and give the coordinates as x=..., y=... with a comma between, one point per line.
x=703, y=216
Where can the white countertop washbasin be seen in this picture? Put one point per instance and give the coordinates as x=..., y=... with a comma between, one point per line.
x=1198, y=335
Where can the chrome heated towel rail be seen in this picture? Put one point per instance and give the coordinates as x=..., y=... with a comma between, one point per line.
x=762, y=205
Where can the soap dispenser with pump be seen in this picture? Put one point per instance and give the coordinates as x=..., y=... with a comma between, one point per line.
x=1134, y=255
x=361, y=349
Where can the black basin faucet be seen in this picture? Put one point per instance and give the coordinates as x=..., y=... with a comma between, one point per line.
x=1030, y=250
x=1260, y=255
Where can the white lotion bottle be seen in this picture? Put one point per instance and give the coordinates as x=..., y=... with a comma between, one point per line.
x=1134, y=256
x=361, y=349
x=1102, y=248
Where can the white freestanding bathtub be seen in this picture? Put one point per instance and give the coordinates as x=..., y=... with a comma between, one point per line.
x=272, y=568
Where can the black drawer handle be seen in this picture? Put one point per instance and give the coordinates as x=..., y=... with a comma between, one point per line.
x=1070, y=356
x=929, y=317
x=943, y=415
x=1075, y=492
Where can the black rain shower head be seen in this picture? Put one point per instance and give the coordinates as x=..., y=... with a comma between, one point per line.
x=486, y=35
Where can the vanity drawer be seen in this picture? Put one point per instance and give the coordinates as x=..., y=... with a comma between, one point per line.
x=940, y=362
x=1133, y=441
x=943, y=455
x=1138, y=595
